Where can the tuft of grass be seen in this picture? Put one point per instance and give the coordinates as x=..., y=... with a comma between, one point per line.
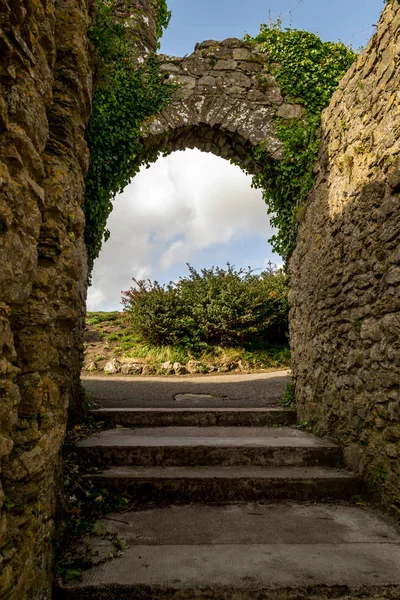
x=94, y=318
x=289, y=399
x=380, y=473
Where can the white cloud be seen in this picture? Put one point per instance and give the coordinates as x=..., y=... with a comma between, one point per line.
x=186, y=203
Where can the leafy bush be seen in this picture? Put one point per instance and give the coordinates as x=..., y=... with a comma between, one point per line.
x=219, y=307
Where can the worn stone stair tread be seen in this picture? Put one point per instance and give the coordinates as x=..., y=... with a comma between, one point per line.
x=255, y=409
x=161, y=485
x=196, y=416
x=236, y=551
x=213, y=472
x=279, y=437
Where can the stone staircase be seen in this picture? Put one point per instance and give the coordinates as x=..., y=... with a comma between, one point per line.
x=233, y=503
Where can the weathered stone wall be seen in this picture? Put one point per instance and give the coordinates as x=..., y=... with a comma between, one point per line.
x=45, y=99
x=140, y=18
x=345, y=272
x=45, y=102
x=345, y=298
x=226, y=103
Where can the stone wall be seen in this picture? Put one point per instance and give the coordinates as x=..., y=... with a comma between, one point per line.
x=140, y=18
x=345, y=272
x=45, y=99
x=45, y=102
x=226, y=103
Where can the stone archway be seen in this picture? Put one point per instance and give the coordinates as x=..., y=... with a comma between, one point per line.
x=348, y=376
x=226, y=103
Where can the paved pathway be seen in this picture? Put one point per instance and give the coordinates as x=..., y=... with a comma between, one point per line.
x=261, y=389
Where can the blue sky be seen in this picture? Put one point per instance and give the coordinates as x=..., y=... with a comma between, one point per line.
x=195, y=207
x=197, y=20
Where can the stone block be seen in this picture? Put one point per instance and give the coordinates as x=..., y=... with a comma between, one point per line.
x=112, y=367
x=290, y=111
x=32, y=389
x=226, y=65
x=194, y=366
x=132, y=368
x=241, y=54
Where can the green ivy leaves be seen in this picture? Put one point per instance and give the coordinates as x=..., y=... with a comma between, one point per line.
x=308, y=71
x=164, y=16
x=126, y=95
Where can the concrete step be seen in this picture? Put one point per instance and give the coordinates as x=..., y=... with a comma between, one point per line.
x=196, y=417
x=244, y=552
x=177, y=485
x=201, y=446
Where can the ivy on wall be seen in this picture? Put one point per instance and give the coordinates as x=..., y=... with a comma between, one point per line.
x=308, y=71
x=126, y=94
x=164, y=16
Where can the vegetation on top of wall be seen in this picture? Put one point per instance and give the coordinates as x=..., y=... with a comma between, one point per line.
x=308, y=71
x=164, y=16
x=126, y=95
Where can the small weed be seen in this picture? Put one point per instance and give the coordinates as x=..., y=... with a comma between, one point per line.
x=7, y=503
x=212, y=60
x=99, y=357
x=289, y=399
x=380, y=473
x=357, y=323
x=113, y=337
x=304, y=426
x=344, y=125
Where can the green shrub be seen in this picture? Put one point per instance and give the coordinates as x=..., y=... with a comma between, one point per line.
x=219, y=307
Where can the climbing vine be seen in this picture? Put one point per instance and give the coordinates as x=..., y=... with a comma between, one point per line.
x=308, y=71
x=164, y=16
x=126, y=95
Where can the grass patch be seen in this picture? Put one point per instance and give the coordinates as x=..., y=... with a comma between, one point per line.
x=271, y=357
x=124, y=341
x=94, y=318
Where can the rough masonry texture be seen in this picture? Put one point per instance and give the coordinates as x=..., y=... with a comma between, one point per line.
x=226, y=103
x=345, y=272
x=46, y=70
x=45, y=102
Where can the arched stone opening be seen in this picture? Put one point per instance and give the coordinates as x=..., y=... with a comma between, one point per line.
x=43, y=161
x=225, y=144
x=226, y=103
x=190, y=206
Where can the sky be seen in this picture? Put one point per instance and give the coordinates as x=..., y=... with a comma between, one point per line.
x=196, y=207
